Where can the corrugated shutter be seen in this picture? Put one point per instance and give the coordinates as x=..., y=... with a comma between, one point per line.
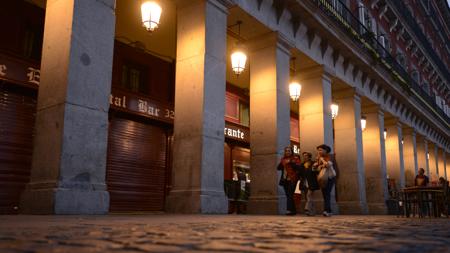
x=17, y=114
x=136, y=166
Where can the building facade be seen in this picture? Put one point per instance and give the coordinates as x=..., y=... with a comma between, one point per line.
x=99, y=115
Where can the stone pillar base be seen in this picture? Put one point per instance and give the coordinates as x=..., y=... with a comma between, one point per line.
x=266, y=205
x=352, y=207
x=210, y=202
x=64, y=201
x=377, y=208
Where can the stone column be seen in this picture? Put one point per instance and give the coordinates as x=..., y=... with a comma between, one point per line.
x=394, y=152
x=69, y=156
x=316, y=125
x=349, y=153
x=375, y=161
x=200, y=108
x=410, y=156
x=269, y=121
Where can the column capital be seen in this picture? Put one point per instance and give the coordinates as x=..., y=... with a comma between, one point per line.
x=268, y=40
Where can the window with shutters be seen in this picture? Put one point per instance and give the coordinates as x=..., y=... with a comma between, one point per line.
x=426, y=87
x=236, y=110
x=415, y=75
x=134, y=77
x=400, y=58
x=294, y=129
x=364, y=18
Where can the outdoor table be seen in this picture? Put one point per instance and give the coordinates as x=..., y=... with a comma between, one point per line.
x=427, y=200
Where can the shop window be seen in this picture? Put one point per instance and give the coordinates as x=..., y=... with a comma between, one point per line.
x=134, y=78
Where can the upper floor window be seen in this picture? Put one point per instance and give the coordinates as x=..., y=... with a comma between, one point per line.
x=364, y=18
x=426, y=87
x=32, y=42
x=439, y=102
x=295, y=132
x=236, y=110
x=134, y=77
x=400, y=58
x=415, y=75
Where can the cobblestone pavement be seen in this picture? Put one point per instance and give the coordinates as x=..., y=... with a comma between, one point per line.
x=213, y=233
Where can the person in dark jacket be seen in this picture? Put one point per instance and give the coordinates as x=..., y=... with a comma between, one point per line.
x=310, y=182
x=421, y=179
x=289, y=178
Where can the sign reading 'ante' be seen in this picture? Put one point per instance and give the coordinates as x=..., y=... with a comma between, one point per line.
x=236, y=133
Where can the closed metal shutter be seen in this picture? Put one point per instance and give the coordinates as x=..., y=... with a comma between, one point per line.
x=17, y=114
x=136, y=166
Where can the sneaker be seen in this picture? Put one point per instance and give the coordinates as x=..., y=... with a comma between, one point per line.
x=308, y=213
x=326, y=214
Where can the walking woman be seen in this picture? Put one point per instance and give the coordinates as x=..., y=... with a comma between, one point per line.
x=289, y=178
x=326, y=177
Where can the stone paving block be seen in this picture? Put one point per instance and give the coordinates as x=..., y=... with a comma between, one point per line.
x=197, y=233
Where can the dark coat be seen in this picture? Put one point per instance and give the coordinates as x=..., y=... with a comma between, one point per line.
x=308, y=174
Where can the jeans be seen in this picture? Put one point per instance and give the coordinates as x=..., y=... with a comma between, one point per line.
x=289, y=189
x=309, y=201
x=326, y=192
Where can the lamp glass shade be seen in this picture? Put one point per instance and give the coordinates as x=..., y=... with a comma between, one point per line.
x=294, y=90
x=151, y=13
x=385, y=133
x=334, y=110
x=363, y=123
x=238, y=61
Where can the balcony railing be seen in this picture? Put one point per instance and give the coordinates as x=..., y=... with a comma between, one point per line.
x=407, y=16
x=368, y=42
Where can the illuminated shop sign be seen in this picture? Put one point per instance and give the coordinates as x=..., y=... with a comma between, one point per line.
x=236, y=132
x=19, y=71
x=141, y=105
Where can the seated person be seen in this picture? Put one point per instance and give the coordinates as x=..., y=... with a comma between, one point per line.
x=421, y=179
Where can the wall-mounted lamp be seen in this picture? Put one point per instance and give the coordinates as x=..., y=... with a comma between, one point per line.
x=295, y=88
x=150, y=13
x=385, y=133
x=363, y=122
x=334, y=110
x=238, y=56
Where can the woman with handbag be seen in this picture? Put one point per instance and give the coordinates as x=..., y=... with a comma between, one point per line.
x=289, y=178
x=326, y=176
